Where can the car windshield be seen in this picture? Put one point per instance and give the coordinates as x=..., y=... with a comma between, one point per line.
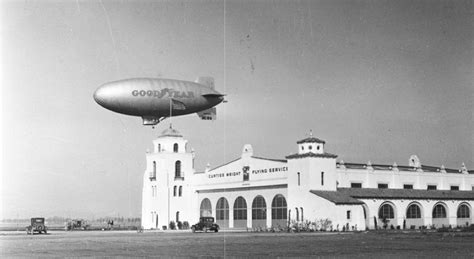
x=39, y=220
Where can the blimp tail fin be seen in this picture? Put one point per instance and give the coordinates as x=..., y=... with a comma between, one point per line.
x=206, y=80
x=209, y=114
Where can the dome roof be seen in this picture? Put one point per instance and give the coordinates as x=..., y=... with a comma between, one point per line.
x=170, y=132
x=311, y=140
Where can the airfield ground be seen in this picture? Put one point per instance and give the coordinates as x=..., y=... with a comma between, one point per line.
x=236, y=244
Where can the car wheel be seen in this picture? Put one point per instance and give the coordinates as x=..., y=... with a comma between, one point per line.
x=217, y=230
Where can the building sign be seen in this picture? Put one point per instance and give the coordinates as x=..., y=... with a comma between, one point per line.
x=246, y=172
x=270, y=170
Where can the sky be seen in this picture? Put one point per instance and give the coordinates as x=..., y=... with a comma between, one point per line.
x=379, y=81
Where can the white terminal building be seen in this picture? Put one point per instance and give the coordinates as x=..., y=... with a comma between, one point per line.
x=309, y=185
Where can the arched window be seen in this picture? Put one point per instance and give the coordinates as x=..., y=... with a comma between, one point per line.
x=177, y=216
x=322, y=178
x=297, y=214
x=298, y=178
x=206, y=208
x=154, y=168
x=177, y=169
x=174, y=190
x=222, y=209
x=180, y=191
x=463, y=211
x=279, y=208
x=259, y=208
x=439, y=211
x=413, y=212
x=159, y=147
x=240, y=208
x=175, y=147
x=386, y=211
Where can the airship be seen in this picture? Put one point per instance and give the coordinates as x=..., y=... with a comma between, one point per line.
x=155, y=99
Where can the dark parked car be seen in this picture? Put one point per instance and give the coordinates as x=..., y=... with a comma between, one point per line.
x=37, y=225
x=205, y=224
x=77, y=224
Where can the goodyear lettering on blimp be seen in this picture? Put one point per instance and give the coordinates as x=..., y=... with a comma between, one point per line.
x=166, y=92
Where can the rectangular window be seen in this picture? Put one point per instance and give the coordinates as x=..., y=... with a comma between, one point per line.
x=348, y=214
x=356, y=185
x=454, y=188
x=383, y=186
x=431, y=187
x=408, y=186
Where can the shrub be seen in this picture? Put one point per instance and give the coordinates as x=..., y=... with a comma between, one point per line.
x=443, y=229
x=468, y=228
x=180, y=225
x=172, y=225
x=185, y=225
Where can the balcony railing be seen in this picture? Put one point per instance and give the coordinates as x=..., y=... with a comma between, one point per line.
x=152, y=176
x=180, y=177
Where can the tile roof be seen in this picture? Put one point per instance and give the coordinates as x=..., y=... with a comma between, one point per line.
x=425, y=168
x=170, y=132
x=368, y=193
x=337, y=197
x=311, y=154
x=270, y=159
x=311, y=140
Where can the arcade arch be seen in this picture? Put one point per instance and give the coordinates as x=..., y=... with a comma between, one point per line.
x=279, y=211
x=387, y=213
x=222, y=212
x=205, y=208
x=240, y=213
x=414, y=215
x=463, y=214
x=440, y=215
x=259, y=212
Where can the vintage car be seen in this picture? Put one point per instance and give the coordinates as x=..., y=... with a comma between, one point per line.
x=205, y=224
x=76, y=224
x=37, y=225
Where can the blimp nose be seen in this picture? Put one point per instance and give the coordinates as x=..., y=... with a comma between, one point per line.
x=99, y=96
x=103, y=95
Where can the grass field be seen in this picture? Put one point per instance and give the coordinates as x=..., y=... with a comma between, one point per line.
x=236, y=244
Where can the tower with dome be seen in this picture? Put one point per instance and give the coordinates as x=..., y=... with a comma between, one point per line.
x=167, y=195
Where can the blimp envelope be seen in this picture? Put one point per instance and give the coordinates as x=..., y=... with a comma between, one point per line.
x=155, y=99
